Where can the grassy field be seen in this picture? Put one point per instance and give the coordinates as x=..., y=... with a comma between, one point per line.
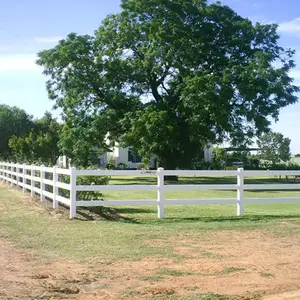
x=205, y=212
x=135, y=233
x=121, y=226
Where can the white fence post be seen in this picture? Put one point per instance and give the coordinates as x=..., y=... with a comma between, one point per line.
x=11, y=174
x=42, y=186
x=24, y=180
x=55, y=188
x=17, y=176
x=32, y=183
x=160, y=193
x=240, y=192
x=73, y=193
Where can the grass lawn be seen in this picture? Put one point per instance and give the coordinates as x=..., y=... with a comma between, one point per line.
x=134, y=235
x=204, y=212
x=135, y=225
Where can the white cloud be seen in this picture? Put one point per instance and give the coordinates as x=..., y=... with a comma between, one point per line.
x=257, y=5
x=48, y=39
x=29, y=45
x=18, y=63
x=290, y=27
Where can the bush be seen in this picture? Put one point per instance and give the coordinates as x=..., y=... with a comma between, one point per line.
x=122, y=166
x=266, y=165
x=140, y=166
x=252, y=163
x=201, y=165
x=91, y=180
x=110, y=166
x=84, y=180
x=219, y=159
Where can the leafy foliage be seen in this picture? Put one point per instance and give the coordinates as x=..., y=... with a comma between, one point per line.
x=219, y=158
x=274, y=147
x=169, y=77
x=13, y=122
x=40, y=145
x=85, y=180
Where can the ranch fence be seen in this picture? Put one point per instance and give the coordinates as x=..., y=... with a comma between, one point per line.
x=33, y=178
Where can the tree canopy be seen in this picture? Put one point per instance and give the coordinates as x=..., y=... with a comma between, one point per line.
x=167, y=77
x=40, y=144
x=13, y=122
x=274, y=147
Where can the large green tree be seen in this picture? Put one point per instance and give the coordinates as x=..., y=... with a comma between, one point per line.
x=168, y=77
x=274, y=147
x=40, y=145
x=13, y=122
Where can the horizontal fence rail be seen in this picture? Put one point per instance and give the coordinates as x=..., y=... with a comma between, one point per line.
x=61, y=186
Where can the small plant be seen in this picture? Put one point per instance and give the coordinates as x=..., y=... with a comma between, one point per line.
x=191, y=288
x=172, y=272
x=229, y=270
x=153, y=278
x=140, y=166
x=213, y=296
x=122, y=166
x=110, y=166
x=266, y=275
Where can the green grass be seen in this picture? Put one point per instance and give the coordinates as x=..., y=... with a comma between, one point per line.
x=229, y=270
x=153, y=278
x=205, y=296
x=171, y=272
x=266, y=275
x=198, y=194
x=129, y=235
x=225, y=271
x=205, y=212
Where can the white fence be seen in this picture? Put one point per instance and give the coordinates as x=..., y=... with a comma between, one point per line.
x=33, y=179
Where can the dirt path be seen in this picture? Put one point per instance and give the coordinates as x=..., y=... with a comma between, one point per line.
x=248, y=264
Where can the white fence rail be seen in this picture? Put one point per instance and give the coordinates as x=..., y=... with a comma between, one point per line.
x=34, y=179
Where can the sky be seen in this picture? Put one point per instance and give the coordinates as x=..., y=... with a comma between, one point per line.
x=27, y=27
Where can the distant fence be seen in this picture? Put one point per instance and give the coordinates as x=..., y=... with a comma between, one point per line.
x=33, y=179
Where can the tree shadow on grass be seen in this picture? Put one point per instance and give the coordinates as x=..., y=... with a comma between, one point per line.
x=202, y=180
x=103, y=213
x=134, y=180
x=235, y=219
x=136, y=210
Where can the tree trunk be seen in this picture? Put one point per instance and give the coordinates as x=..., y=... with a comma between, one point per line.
x=169, y=164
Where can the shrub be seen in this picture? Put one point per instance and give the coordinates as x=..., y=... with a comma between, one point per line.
x=219, y=159
x=267, y=165
x=122, y=166
x=84, y=180
x=110, y=166
x=201, y=165
x=140, y=166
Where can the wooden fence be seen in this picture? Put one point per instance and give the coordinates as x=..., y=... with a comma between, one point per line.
x=33, y=178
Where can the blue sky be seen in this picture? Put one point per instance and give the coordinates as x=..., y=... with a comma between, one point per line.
x=29, y=26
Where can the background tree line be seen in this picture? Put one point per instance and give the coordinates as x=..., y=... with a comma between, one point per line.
x=24, y=139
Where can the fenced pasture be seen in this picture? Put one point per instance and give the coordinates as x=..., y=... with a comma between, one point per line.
x=152, y=189
x=197, y=252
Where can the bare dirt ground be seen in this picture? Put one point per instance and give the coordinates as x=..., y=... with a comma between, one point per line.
x=248, y=264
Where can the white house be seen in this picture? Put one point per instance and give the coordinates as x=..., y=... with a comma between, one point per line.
x=126, y=156
x=119, y=155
